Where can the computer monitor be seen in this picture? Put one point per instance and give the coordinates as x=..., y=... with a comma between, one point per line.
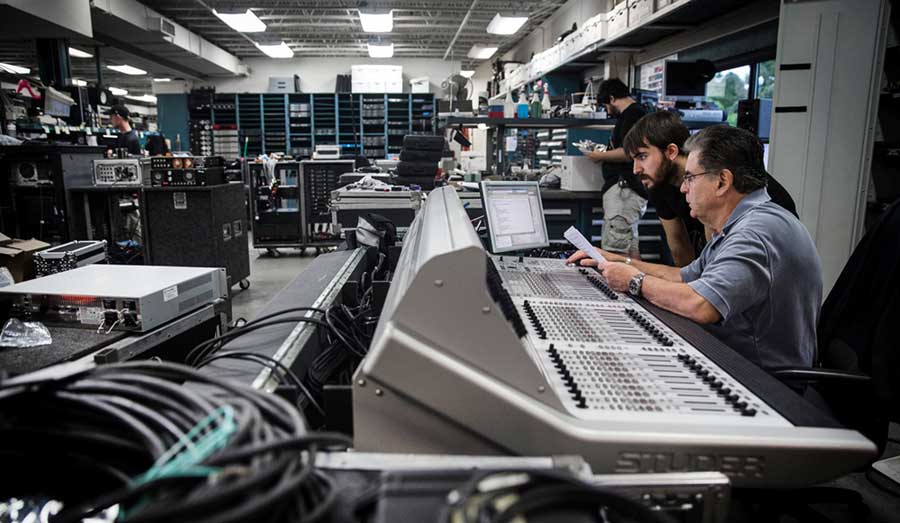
x=684, y=81
x=514, y=215
x=57, y=103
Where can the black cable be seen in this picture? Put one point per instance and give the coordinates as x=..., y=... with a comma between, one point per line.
x=267, y=361
x=356, y=349
x=137, y=427
x=325, y=438
x=285, y=311
x=257, y=321
x=112, y=422
x=203, y=349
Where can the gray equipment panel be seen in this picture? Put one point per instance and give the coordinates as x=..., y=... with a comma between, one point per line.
x=599, y=376
x=118, y=297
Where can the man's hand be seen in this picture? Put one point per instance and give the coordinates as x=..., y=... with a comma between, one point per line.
x=577, y=257
x=596, y=155
x=618, y=275
x=587, y=261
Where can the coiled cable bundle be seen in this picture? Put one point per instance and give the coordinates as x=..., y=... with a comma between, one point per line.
x=163, y=442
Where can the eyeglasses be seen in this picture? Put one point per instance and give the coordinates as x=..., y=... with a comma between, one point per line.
x=689, y=178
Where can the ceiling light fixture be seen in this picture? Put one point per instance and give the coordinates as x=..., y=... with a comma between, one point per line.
x=117, y=91
x=506, y=25
x=162, y=79
x=16, y=69
x=279, y=50
x=375, y=22
x=78, y=53
x=246, y=22
x=127, y=69
x=381, y=50
x=481, y=52
x=467, y=73
x=149, y=98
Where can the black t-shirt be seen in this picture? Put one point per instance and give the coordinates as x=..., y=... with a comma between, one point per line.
x=129, y=141
x=669, y=202
x=615, y=171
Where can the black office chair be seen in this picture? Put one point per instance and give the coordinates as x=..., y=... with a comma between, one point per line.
x=858, y=362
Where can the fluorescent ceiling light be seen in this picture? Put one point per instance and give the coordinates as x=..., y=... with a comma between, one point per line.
x=245, y=22
x=117, y=91
x=78, y=53
x=78, y=83
x=14, y=69
x=162, y=79
x=127, y=69
x=279, y=50
x=381, y=50
x=377, y=22
x=467, y=73
x=142, y=98
x=506, y=25
x=481, y=52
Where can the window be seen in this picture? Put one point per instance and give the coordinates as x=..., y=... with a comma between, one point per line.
x=727, y=88
x=765, y=79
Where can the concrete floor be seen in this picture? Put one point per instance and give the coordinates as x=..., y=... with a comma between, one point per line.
x=268, y=275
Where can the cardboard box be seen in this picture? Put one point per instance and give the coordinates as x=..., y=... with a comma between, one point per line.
x=419, y=85
x=580, y=173
x=376, y=78
x=617, y=19
x=18, y=256
x=639, y=11
x=595, y=29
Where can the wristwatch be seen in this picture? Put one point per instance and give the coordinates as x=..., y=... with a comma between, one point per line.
x=634, y=285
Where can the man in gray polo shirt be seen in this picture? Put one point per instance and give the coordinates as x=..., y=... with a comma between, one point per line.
x=757, y=284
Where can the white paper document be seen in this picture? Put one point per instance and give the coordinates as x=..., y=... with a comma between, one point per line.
x=578, y=240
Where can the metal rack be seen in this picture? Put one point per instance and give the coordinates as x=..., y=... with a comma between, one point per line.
x=371, y=124
x=290, y=203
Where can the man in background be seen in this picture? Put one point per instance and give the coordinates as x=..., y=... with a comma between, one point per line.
x=624, y=198
x=128, y=138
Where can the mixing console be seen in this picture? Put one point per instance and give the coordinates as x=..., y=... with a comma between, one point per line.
x=605, y=354
x=483, y=354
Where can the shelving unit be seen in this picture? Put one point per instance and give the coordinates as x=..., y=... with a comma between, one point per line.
x=324, y=107
x=275, y=117
x=300, y=125
x=399, y=118
x=250, y=123
x=594, y=39
x=200, y=136
x=548, y=129
x=371, y=124
x=348, y=124
x=421, y=113
x=373, y=121
x=225, y=129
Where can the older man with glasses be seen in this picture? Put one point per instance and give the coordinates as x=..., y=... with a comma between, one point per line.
x=757, y=284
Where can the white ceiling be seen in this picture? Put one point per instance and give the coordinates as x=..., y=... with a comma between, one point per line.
x=422, y=29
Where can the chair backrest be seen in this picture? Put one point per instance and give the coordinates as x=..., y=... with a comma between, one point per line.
x=860, y=319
